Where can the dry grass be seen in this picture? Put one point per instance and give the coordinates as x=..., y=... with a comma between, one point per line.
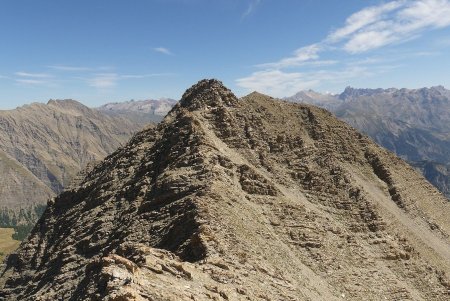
x=7, y=244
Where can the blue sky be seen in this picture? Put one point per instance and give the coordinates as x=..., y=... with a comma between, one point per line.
x=97, y=51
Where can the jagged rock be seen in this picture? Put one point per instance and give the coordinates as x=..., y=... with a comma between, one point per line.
x=240, y=199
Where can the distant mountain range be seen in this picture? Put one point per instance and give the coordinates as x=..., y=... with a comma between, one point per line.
x=413, y=123
x=150, y=110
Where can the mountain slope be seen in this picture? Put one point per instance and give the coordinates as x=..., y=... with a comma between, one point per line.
x=415, y=124
x=43, y=146
x=18, y=183
x=240, y=199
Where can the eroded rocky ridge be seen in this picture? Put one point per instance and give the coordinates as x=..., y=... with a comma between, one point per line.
x=413, y=123
x=240, y=199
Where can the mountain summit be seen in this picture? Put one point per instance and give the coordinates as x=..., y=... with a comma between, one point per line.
x=240, y=199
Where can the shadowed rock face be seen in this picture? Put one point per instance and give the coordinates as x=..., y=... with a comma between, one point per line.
x=240, y=199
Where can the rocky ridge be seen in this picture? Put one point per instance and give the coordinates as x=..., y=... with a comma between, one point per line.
x=413, y=123
x=240, y=199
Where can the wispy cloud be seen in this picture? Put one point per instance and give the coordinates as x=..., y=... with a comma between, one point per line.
x=374, y=27
x=104, y=80
x=393, y=22
x=31, y=81
x=101, y=78
x=250, y=8
x=70, y=68
x=32, y=75
x=300, y=56
x=363, y=18
x=138, y=76
x=276, y=82
x=366, y=30
x=163, y=50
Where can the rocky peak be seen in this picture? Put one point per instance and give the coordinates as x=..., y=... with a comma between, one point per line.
x=65, y=103
x=268, y=200
x=208, y=92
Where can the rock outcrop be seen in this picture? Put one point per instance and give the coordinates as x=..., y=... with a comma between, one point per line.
x=240, y=199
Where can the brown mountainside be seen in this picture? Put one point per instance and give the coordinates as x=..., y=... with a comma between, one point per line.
x=18, y=183
x=240, y=199
x=43, y=146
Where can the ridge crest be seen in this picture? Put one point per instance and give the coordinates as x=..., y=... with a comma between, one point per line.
x=208, y=92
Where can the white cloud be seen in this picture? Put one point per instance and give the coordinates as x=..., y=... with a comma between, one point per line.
x=251, y=7
x=374, y=27
x=362, y=19
x=300, y=56
x=104, y=80
x=163, y=50
x=425, y=13
x=32, y=81
x=33, y=75
x=369, y=40
x=276, y=82
x=405, y=20
x=97, y=77
x=371, y=28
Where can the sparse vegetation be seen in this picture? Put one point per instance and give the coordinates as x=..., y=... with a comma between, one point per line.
x=7, y=243
x=21, y=221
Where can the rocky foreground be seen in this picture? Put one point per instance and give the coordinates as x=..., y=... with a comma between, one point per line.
x=240, y=199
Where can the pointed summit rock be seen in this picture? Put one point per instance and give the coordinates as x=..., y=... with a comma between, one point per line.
x=208, y=92
x=249, y=199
